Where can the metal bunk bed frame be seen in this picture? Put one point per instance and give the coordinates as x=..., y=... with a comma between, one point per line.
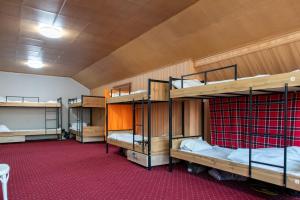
x=57, y=111
x=142, y=102
x=252, y=104
x=79, y=114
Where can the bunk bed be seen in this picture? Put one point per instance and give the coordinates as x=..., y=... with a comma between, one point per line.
x=53, y=113
x=93, y=131
x=144, y=149
x=255, y=149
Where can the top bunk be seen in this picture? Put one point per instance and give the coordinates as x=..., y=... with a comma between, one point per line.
x=87, y=102
x=29, y=102
x=157, y=90
x=260, y=84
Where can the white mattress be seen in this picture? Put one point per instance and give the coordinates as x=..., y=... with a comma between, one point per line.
x=266, y=155
x=3, y=99
x=125, y=136
x=126, y=93
x=195, y=82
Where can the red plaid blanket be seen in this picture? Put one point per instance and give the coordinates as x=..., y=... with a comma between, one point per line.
x=230, y=121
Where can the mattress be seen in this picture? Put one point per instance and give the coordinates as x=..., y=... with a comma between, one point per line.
x=126, y=136
x=126, y=93
x=267, y=155
x=76, y=126
x=3, y=99
x=195, y=82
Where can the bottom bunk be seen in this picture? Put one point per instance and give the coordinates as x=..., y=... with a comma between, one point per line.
x=89, y=134
x=237, y=160
x=12, y=136
x=139, y=153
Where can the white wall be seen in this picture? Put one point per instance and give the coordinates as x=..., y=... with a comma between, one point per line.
x=45, y=87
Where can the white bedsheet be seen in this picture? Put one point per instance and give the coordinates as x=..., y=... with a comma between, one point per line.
x=125, y=136
x=273, y=156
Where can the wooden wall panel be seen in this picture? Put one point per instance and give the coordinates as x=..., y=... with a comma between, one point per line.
x=160, y=119
x=98, y=117
x=272, y=56
x=141, y=81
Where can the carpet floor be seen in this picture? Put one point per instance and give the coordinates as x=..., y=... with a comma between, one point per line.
x=70, y=170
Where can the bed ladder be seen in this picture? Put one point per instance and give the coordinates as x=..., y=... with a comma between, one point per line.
x=284, y=103
x=49, y=114
x=141, y=124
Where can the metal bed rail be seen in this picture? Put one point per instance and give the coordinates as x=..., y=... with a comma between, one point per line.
x=143, y=103
x=57, y=111
x=205, y=73
x=284, y=103
x=23, y=98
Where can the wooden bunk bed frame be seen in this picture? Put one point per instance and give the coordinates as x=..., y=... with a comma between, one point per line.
x=154, y=151
x=20, y=135
x=279, y=83
x=89, y=133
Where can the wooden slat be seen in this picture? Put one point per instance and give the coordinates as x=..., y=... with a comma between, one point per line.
x=30, y=104
x=89, y=102
x=90, y=131
x=128, y=98
x=158, y=144
x=161, y=158
x=94, y=102
x=12, y=139
x=30, y=132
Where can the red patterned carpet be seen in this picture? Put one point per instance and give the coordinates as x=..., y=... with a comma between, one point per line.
x=69, y=170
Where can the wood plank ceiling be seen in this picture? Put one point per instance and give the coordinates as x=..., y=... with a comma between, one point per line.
x=203, y=29
x=93, y=29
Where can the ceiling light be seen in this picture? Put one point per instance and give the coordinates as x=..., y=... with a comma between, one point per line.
x=50, y=31
x=35, y=64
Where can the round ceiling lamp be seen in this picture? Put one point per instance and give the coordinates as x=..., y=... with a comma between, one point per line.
x=50, y=31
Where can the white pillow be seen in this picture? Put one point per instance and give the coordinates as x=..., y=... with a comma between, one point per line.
x=194, y=145
x=4, y=128
x=187, y=83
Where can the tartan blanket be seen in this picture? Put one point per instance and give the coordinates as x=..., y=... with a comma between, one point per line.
x=231, y=124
